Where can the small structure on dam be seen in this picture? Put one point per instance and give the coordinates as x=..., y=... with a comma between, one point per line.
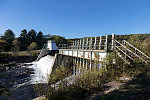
x=49, y=49
x=51, y=45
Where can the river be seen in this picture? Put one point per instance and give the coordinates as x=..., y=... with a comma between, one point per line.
x=20, y=80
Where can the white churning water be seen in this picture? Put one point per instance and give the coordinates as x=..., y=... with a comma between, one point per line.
x=42, y=69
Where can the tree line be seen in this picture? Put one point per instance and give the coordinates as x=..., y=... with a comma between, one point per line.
x=27, y=40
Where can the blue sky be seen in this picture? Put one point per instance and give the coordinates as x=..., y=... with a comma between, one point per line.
x=76, y=18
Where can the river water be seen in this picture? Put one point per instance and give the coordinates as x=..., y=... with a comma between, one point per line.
x=20, y=81
x=42, y=69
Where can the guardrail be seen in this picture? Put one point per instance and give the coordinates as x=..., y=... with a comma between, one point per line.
x=136, y=50
x=125, y=50
x=93, y=47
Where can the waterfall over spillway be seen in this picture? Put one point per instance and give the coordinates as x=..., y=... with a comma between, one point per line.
x=42, y=69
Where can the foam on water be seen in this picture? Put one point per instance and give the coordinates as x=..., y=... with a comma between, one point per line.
x=42, y=69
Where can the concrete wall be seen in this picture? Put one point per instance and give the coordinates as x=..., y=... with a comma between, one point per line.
x=67, y=61
x=45, y=52
x=62, y=60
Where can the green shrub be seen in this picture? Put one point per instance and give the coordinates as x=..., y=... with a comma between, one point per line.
x=84, y=84
x=81, y=87
x=60, y=73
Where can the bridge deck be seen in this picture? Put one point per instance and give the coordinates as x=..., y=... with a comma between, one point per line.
x=85, y=53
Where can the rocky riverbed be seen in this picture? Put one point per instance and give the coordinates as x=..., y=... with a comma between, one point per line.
x=14, y=78
x=18, y=81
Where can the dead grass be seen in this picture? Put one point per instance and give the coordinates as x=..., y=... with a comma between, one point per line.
x=22, y=53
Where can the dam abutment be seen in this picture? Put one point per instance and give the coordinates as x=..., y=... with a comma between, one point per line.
x=62, y=60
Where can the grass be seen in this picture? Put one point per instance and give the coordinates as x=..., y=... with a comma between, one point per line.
x=21, y=53
x=21, y=56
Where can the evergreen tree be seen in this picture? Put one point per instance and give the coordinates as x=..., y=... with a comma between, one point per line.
x=23, y=40
x=32, y=35
x=39, y=40
x=8, y=37
x=3, y=45
x=59, y=40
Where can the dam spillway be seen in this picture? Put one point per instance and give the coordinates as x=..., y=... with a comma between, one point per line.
x=42, y=69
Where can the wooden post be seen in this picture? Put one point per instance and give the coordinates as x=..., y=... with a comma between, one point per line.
x=91, y=43
x=80, y=67
x=91, y=60
x=77, y=58
x=98, y=60
x=80, y=43
x=95, y=43
x=83, y=59
x=87, y=43
x=72, y=56
x=113, y=41
x=73, y=42
x=80, y=62
x=75, y=45
x=73, y=60
x=83, y=44
x=77, y=68
x=106, y=43
x=74, y=66
x=100, y=42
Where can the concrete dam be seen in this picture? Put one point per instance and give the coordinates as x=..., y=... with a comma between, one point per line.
x=87, y=53
x=78, y=52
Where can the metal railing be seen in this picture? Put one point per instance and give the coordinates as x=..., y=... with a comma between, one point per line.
x=137, y=51
x=127, y=52
x=93, y=47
